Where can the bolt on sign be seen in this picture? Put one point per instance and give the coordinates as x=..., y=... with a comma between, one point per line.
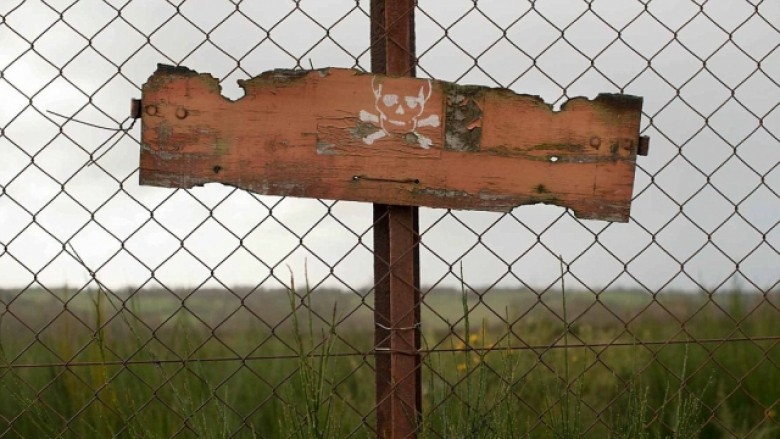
x=349, y=135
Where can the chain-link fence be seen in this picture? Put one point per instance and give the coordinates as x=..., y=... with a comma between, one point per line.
x=129, y=311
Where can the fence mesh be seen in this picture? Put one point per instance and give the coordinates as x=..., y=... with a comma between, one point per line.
x=129, y=311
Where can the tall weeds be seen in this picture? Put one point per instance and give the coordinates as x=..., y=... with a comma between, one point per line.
x=473, y=392
x=567, y=423
x=311, y=383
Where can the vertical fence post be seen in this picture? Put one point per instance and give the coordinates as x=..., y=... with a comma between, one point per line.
x=396, y=253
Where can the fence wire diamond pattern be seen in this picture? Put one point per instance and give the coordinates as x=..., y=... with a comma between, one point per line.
x=129, y=311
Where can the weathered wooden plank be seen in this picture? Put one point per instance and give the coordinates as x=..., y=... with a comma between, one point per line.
x=343, y=134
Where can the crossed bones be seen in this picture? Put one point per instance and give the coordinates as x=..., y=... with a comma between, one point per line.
x=394, y=102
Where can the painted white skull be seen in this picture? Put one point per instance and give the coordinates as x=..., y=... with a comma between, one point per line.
x=398, y=111
x=400, y=107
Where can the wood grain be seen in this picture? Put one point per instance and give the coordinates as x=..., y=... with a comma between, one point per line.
x=339, y=134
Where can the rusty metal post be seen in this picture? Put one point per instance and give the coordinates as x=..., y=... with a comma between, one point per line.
x=396, y=254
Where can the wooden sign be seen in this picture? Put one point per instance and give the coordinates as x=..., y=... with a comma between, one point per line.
x=349, y=135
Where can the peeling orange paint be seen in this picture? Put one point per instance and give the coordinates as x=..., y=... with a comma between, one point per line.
x=409, y=141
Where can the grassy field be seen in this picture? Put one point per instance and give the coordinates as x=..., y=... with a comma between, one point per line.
x=214, y=364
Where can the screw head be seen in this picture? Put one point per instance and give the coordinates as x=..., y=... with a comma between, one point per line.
x=151, y=110
x=181, y=112
x=595, y=142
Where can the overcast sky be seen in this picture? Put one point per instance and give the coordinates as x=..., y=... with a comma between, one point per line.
x=710, y=103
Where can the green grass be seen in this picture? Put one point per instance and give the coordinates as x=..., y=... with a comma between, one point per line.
x=494, y=376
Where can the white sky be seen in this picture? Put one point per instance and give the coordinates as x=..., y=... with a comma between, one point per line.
x=728, y=97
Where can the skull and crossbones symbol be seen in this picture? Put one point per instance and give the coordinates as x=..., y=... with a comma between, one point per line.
x=399, y=111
